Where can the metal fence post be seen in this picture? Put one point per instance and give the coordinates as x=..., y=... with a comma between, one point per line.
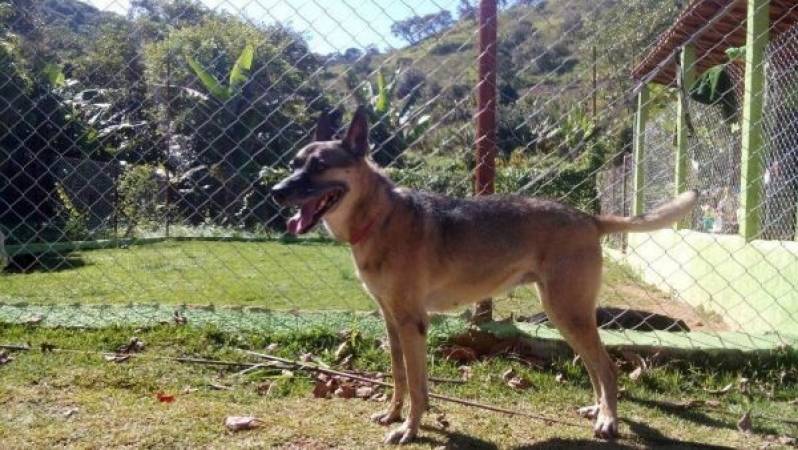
x=687, y=74
x=639, y=151
x=486, y=119
x=751, y=160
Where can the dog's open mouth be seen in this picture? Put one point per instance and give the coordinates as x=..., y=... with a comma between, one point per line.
x=312, y=210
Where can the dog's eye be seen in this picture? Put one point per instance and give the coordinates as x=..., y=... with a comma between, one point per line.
x=317, y=165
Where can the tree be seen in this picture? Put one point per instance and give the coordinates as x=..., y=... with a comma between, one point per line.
x=417, y=28
x=466, y=10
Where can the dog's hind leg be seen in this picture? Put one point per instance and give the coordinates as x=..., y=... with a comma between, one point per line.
x=570, y=306
x=394, y=411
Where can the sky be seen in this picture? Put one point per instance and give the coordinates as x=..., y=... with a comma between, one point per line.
x=328, y=25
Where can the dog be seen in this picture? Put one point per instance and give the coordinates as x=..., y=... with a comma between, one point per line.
x=419, y=252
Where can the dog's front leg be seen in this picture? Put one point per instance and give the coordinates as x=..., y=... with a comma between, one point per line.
x=412, y=330
x=394, y=411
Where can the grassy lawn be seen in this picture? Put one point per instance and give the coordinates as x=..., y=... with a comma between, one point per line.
x=82, y=401
x=274, y=275
x=266, y=274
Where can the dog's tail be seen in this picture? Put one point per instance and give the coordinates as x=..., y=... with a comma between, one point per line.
x=659, y=218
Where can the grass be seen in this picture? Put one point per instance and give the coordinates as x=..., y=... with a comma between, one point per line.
x=266, y=274
x=271, y=274
x=114, y=403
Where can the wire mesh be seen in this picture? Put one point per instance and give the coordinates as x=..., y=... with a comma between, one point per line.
x=138, y=160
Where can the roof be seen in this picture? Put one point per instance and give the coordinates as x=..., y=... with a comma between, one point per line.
x=716, y=25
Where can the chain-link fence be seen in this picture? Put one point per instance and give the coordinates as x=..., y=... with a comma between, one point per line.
x=141, y=140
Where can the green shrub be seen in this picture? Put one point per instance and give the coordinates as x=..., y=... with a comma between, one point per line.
x=138, y=202
x=75, y=223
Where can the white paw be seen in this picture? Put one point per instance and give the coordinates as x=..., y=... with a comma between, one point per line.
x=589, y=412
x=403, y=434
x=606, y=427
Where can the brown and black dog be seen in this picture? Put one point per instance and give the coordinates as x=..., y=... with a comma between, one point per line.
x=417, y=252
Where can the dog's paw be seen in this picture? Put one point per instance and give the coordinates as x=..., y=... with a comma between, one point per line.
x=403, y=434
x=606, y=427
x=387, y=417
x=588, y=412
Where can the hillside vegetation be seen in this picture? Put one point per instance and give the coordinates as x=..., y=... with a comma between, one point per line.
x=192, y=113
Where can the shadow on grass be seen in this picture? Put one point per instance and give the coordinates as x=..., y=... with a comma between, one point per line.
x=641, y=434
x=692, y=415
x=45, y=262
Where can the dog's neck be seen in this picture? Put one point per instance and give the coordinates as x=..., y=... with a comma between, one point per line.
x=370, y=206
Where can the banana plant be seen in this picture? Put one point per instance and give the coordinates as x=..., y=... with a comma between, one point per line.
x=239, y=74
x=397, y=124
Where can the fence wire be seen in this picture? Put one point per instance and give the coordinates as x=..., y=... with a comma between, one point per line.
x=139, y=151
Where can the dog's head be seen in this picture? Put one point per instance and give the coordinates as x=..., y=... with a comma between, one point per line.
x=324, y=173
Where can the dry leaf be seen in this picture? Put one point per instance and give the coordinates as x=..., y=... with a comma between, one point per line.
x=515, y=381
x=342, y=351
x=519, y=383
x=321, y=389
x=219, y=387
x=34, y=320
x=744, y=424
x=442, y=421
x=560, y=378
x=5, y=358
x=382, y=397
x=135, y=345
x=636, y=374
x=712, y=403
x=724, y=390
x=346, y=362
x=164, y=398
x=508, y=374
x=179, y=318
x=459, y=354
x=364, y=392
x=465, y=372
x=265, y=388
x=117, y=358
x=238, y=423
x=69, y=412
x=306, y=357
x=189, y=390
x=345, y=390
x=271, y=348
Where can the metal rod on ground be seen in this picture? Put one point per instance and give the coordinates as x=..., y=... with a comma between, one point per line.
x=444, y=398
x=486, y=120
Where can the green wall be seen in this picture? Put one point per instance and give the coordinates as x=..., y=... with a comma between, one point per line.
x=752, y=285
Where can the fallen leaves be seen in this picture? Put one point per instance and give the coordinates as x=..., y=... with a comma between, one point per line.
x=465, y=372
x=327, y=386
x=744, y=424
x=135, y=345
x=34, y=320
x=164, y=397
x=442, y=420
x=459, y=354
x=5, y=358
x=639, y=364
x=238, y=423
x=516, y=381
x=723, y=390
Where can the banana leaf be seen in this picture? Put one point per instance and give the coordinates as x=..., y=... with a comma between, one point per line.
x=240, y=71
x=209, y=81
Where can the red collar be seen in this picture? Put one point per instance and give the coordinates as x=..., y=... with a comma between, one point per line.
x=358, y=236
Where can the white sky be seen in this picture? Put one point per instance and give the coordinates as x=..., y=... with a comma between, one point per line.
x=327, y=24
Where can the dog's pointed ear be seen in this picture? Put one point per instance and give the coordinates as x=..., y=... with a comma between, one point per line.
x=324, y=128
x=357, y=136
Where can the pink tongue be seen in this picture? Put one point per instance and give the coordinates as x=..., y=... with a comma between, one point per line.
x=302, y=220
